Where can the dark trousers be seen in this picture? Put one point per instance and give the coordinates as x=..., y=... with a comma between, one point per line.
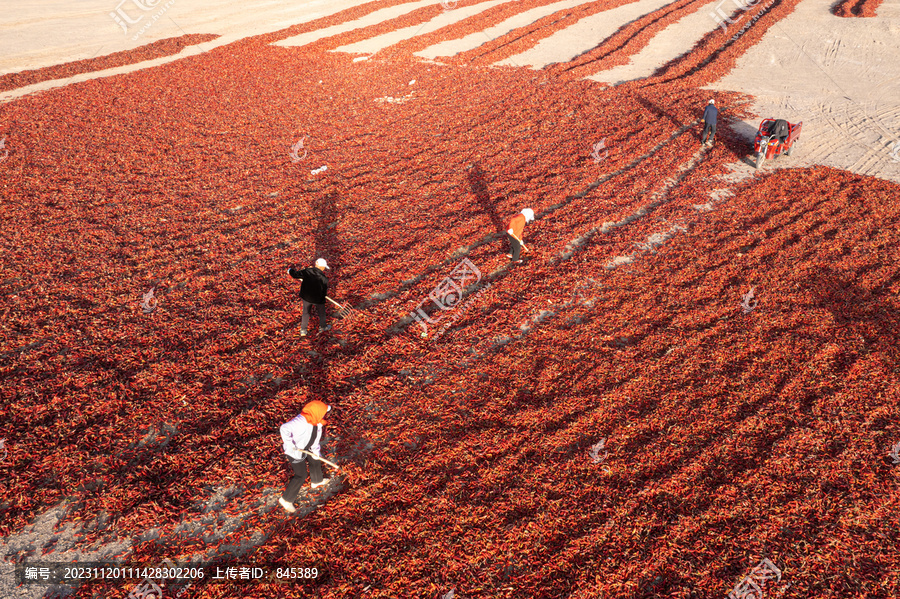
x=709, y=129
x=307, y=308
x=515, y=246
x=294, y=485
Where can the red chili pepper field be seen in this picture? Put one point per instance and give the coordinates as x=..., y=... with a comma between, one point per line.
x=727, y=435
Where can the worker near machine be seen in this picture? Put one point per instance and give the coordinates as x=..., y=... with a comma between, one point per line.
x=515, y=231
x=709, y=118
x=313, y=290
x=302, y=437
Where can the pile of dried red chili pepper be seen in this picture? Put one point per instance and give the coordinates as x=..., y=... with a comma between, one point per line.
x=729, y=437
x=856, y=8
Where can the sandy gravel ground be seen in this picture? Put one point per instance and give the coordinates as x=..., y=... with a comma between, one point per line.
x=841, y=77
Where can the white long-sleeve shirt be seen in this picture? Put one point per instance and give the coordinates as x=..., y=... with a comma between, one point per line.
x=299, y=434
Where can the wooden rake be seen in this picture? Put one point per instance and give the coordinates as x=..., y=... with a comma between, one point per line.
x=343, y=311
x=320, y=458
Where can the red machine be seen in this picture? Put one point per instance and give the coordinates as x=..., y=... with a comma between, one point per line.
x=775, y=137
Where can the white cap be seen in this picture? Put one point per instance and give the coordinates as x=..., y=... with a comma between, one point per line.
x=320, y=263
x=528, y=213
x=712, y=101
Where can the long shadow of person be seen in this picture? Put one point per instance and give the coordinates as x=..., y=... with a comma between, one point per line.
x=660, y=112
x=327, y=244
x=479, y=189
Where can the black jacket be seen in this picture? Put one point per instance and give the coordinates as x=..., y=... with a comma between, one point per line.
x=315, y=284
x=780, y=129
x=710, y=114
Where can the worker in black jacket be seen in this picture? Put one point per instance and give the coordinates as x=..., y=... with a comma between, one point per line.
x=313, y=289
x=709, y=120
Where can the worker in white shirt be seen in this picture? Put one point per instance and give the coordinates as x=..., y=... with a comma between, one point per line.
x=302, y=437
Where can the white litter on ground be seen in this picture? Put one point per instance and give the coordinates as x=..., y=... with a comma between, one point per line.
x=393, y=100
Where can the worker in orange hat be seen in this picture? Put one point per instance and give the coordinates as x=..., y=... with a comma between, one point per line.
x=516, y=230
x=302, y=437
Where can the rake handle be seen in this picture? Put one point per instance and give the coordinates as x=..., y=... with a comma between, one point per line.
x=326, y=297
x=320, y=458
x=334, y=302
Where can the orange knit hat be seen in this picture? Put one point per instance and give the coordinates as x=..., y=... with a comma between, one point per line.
x=315, y=411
